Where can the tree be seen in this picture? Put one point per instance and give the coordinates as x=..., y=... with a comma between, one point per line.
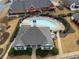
x=12, y=51
x=41, y=53
x=55, y=51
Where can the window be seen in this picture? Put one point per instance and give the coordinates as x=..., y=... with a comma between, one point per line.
x=47, y=47
x=76, y=6
x=20, y=47
x=38, y=46
x=34, y=46
x=28, y=46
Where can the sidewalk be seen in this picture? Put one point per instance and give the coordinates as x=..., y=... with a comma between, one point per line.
x=5, y=56
x=59, y=43
x=33, y=56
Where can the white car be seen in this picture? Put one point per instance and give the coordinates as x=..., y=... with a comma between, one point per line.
x=74, y=7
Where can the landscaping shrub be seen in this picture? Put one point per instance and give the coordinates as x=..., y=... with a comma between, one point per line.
x=20, y=52
x=62, y=15
x=4, y=37
x=60, y=7
x=73, y=12
x=66, y=24
x=15, y=33
x=55, y=51
x=44, y=14
x=41, y=53
x=8, y=26
x=29, y=51
x=77, y=11
x=69, y=14
x=12, y=51
x=78, y=42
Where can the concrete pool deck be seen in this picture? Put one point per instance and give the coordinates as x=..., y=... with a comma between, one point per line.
x=53, y=24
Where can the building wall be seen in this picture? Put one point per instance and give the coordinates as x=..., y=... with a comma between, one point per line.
x=34, y=46
x=20, y=47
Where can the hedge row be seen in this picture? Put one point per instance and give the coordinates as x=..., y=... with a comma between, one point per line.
x=66, y=24
x=44, y=53
x=14, y=52
x=39, y=52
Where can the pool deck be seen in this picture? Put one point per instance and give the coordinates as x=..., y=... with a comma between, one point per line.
x=53, y=24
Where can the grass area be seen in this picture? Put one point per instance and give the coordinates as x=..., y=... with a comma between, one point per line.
x=69, y=43
x=73, y=12
x=19, y=57
x=13, y=24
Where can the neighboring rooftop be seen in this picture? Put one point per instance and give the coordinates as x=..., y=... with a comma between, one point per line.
x=69, y=2
x=76, y=16
x=22, y=5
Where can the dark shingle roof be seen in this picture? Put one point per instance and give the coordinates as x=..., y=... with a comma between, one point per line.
x=34, y=36
x=76, y=16
x=21, y=5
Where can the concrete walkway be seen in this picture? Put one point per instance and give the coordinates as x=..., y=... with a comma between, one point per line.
x=59, y=44
x=33, y=56
x=5, y=56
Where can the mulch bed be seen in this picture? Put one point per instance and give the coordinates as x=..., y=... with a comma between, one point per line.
x=78, y=42
x=71, y=30
x=4, y=37
x=1, y=50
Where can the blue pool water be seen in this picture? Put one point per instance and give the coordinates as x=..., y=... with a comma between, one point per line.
x=43, y=21
x=40, y=21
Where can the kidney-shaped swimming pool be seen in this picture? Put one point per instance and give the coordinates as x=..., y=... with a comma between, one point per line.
x=53, y=24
